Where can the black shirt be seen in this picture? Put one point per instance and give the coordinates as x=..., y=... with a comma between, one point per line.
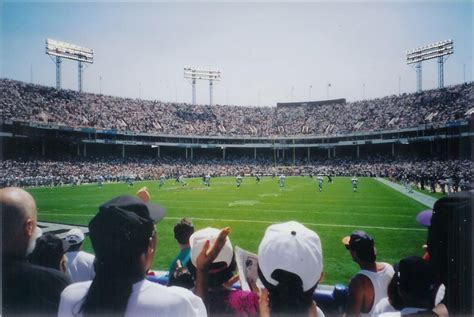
x=29, y=289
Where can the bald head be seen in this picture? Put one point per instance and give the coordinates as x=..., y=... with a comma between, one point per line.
x=18, y=211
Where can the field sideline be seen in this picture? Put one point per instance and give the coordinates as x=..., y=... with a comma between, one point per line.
x=387, y=215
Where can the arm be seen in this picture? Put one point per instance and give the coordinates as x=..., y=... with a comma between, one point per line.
x=205, y=259
x=355, y=298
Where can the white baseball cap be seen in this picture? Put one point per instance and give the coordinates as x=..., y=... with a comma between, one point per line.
x=74, y=236
x=291, y=247
x=198, y=238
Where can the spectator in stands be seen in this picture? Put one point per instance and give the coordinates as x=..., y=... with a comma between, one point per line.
x=217, y=270
x=182, y=231
x=450, y=243
x=124, y=239
x=416, y=286
x=49, y=252
x=27, y=289
x=369, y=285
x=80, y=264
x=290, y=266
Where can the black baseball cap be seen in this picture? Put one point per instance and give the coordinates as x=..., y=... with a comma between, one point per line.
x=123, y=227
x=415, y=276
x=362, y=243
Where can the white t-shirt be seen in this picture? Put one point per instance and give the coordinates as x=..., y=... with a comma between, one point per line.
x=383, y=306
x=147, y=299
x=380, y=281
x=80, y=266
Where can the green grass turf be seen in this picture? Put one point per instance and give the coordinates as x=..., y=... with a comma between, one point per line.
x=385, y=214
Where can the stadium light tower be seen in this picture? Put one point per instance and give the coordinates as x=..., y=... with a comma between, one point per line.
x=194, y=73
x=62, y=50
x=440, y=50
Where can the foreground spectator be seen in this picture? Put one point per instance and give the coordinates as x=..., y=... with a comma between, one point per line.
x=219, y=297
x=27, y=289
x=290, y=264
x=49, y=252
x=450, y=243
x=124, y=239
x=182, y=231
x=416, y=286
x=80, y=264
x=369, y=285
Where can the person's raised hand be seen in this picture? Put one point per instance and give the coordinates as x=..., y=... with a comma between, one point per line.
x=210, y=252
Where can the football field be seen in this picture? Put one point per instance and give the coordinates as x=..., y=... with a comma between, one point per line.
x=387, y=215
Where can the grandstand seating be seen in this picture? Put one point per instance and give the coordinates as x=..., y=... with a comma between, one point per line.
x=33, y=103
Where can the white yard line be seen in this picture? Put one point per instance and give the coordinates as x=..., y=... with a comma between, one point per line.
x=419, y=197
x=264, y=222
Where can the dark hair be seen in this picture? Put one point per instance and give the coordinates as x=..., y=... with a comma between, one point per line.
x=450, y=245
x=288, y=297
x=48, y=252
x=218, y=272
x=392, y=294
x=366, y=255
x=113, y=282
x=183, y=230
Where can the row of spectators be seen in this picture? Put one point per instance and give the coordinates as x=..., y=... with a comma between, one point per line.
x=33, y=103
x=287, y=269
x=90, y=170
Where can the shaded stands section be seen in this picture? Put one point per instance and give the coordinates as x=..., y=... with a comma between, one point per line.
x=449, y=141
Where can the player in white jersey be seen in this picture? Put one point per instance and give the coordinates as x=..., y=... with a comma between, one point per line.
x=100, y=181
x=320, y=182
x=281, y=180
x=162, y=180
x=238, y=180
x=182, y=181
x=207, y=180
x=354, y=182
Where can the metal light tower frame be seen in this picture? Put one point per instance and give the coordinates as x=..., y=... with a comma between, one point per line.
x=440, y=50
x=202, y=73
x=60, y=50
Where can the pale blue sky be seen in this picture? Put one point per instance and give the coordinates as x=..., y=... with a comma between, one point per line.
x=262, y=49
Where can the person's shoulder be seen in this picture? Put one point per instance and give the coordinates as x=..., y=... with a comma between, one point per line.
x=387, y=268
x=86, y=255
x=154, y=297
x=359, y=281
x=171, y=292
x=41, y=272
x=76, y=290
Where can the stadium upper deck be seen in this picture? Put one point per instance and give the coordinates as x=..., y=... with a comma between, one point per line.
x=33, y=103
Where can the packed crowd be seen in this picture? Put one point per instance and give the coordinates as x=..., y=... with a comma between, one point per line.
x=32, y=103
x=76, y=171
x=280, y=280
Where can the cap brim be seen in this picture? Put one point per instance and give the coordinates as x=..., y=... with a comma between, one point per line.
x=156, y=212
x=424, y=217
x=346, y=240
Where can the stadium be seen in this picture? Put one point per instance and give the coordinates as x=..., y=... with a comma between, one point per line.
x=335, y=165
